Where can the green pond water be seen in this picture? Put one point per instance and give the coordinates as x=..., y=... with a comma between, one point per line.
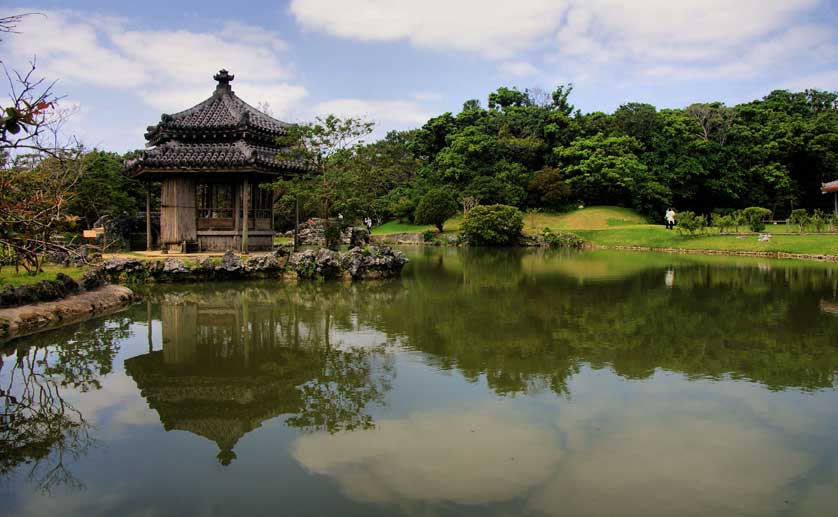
x=482, y=382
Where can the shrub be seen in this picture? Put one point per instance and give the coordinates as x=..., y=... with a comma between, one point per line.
x=331, y=232
x=689, y=222
x=819, y=220
x=436, y=207
x=755, y=216
x=722, y=222
x=493, y=225
x=428, y=236
x=799, y=218
x=562, y=239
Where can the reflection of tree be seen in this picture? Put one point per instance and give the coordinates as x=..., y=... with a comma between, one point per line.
x=233, y=359
x=533, y=329
x=38, y=427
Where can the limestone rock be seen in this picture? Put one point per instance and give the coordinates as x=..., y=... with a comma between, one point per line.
x=230, y=262
x=174, y=266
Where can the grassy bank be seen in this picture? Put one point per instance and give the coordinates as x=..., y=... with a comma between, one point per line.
x=9, y=277
x=658, y=237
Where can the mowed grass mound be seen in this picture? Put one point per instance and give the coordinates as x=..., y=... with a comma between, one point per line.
x=597, y=217
x=592, y=218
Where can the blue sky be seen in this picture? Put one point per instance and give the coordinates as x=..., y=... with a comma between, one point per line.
x=121, y=64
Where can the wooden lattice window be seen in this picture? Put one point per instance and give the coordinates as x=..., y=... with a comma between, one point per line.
x=215, y=200
x=261, y=202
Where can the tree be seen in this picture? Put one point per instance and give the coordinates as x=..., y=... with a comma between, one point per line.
x=714, y=120
x=605, y=170
x=637, y=120
x=373, y=171
x=34, y=187
x=103, y=189
x=560, y=99
x=548, y=189
x=34, y=193
x=323, y=146
x=505, y=98
x=436, y=207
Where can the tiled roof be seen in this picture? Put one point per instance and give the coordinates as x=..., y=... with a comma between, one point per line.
x=222, y=133
x=832, y=186
x=224, y=110
x=225, y=156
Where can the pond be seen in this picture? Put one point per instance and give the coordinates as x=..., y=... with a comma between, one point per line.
x=482, y=382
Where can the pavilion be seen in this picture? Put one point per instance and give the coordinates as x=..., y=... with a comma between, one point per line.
x=210, y=160
x=832, y=186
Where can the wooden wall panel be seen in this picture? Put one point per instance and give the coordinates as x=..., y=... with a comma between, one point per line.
x=177, y=210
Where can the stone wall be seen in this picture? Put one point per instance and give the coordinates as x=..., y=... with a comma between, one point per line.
x=313, y=233
x=356, y=264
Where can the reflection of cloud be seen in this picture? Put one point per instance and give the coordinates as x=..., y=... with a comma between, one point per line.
x=673, y=454
x=480, y=456
x=116, y=404
x=687, y=466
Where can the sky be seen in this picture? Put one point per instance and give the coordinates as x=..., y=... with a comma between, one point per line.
x=121, y=64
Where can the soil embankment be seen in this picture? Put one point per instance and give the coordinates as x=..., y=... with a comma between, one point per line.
x=37, y=317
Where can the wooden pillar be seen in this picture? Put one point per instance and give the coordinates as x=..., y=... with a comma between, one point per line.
x=148, y=216
x=273, y=202
x=245, y=212
x=237, y=206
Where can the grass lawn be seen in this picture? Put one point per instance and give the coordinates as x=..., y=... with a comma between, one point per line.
x=8, y=276
x=397, y=227
x=616, y=226
x=656, y=236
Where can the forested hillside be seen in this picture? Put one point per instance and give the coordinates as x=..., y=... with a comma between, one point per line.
x=536, y=150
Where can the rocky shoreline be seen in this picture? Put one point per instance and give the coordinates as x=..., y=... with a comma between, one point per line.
x=355, y=264
x=52, y=303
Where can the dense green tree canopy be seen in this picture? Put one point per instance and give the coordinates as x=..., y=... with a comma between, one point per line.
x=773, y=152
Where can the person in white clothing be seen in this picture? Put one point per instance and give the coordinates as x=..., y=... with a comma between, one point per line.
x=669, y=218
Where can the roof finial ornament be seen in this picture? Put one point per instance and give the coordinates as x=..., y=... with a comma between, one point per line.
x=223, y=77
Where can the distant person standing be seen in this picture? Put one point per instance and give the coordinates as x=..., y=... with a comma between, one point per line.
x=368, y=223
x=669, y=218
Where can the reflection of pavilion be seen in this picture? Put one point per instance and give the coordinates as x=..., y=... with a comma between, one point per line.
x=230, y=363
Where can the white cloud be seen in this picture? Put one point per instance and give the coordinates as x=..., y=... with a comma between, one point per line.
x=390, y=112
x=426, y=96
x=825, y=80
x=494, y=28
x=766, y=55
x=169, y=70
x=518, y=68
x=650, y=37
